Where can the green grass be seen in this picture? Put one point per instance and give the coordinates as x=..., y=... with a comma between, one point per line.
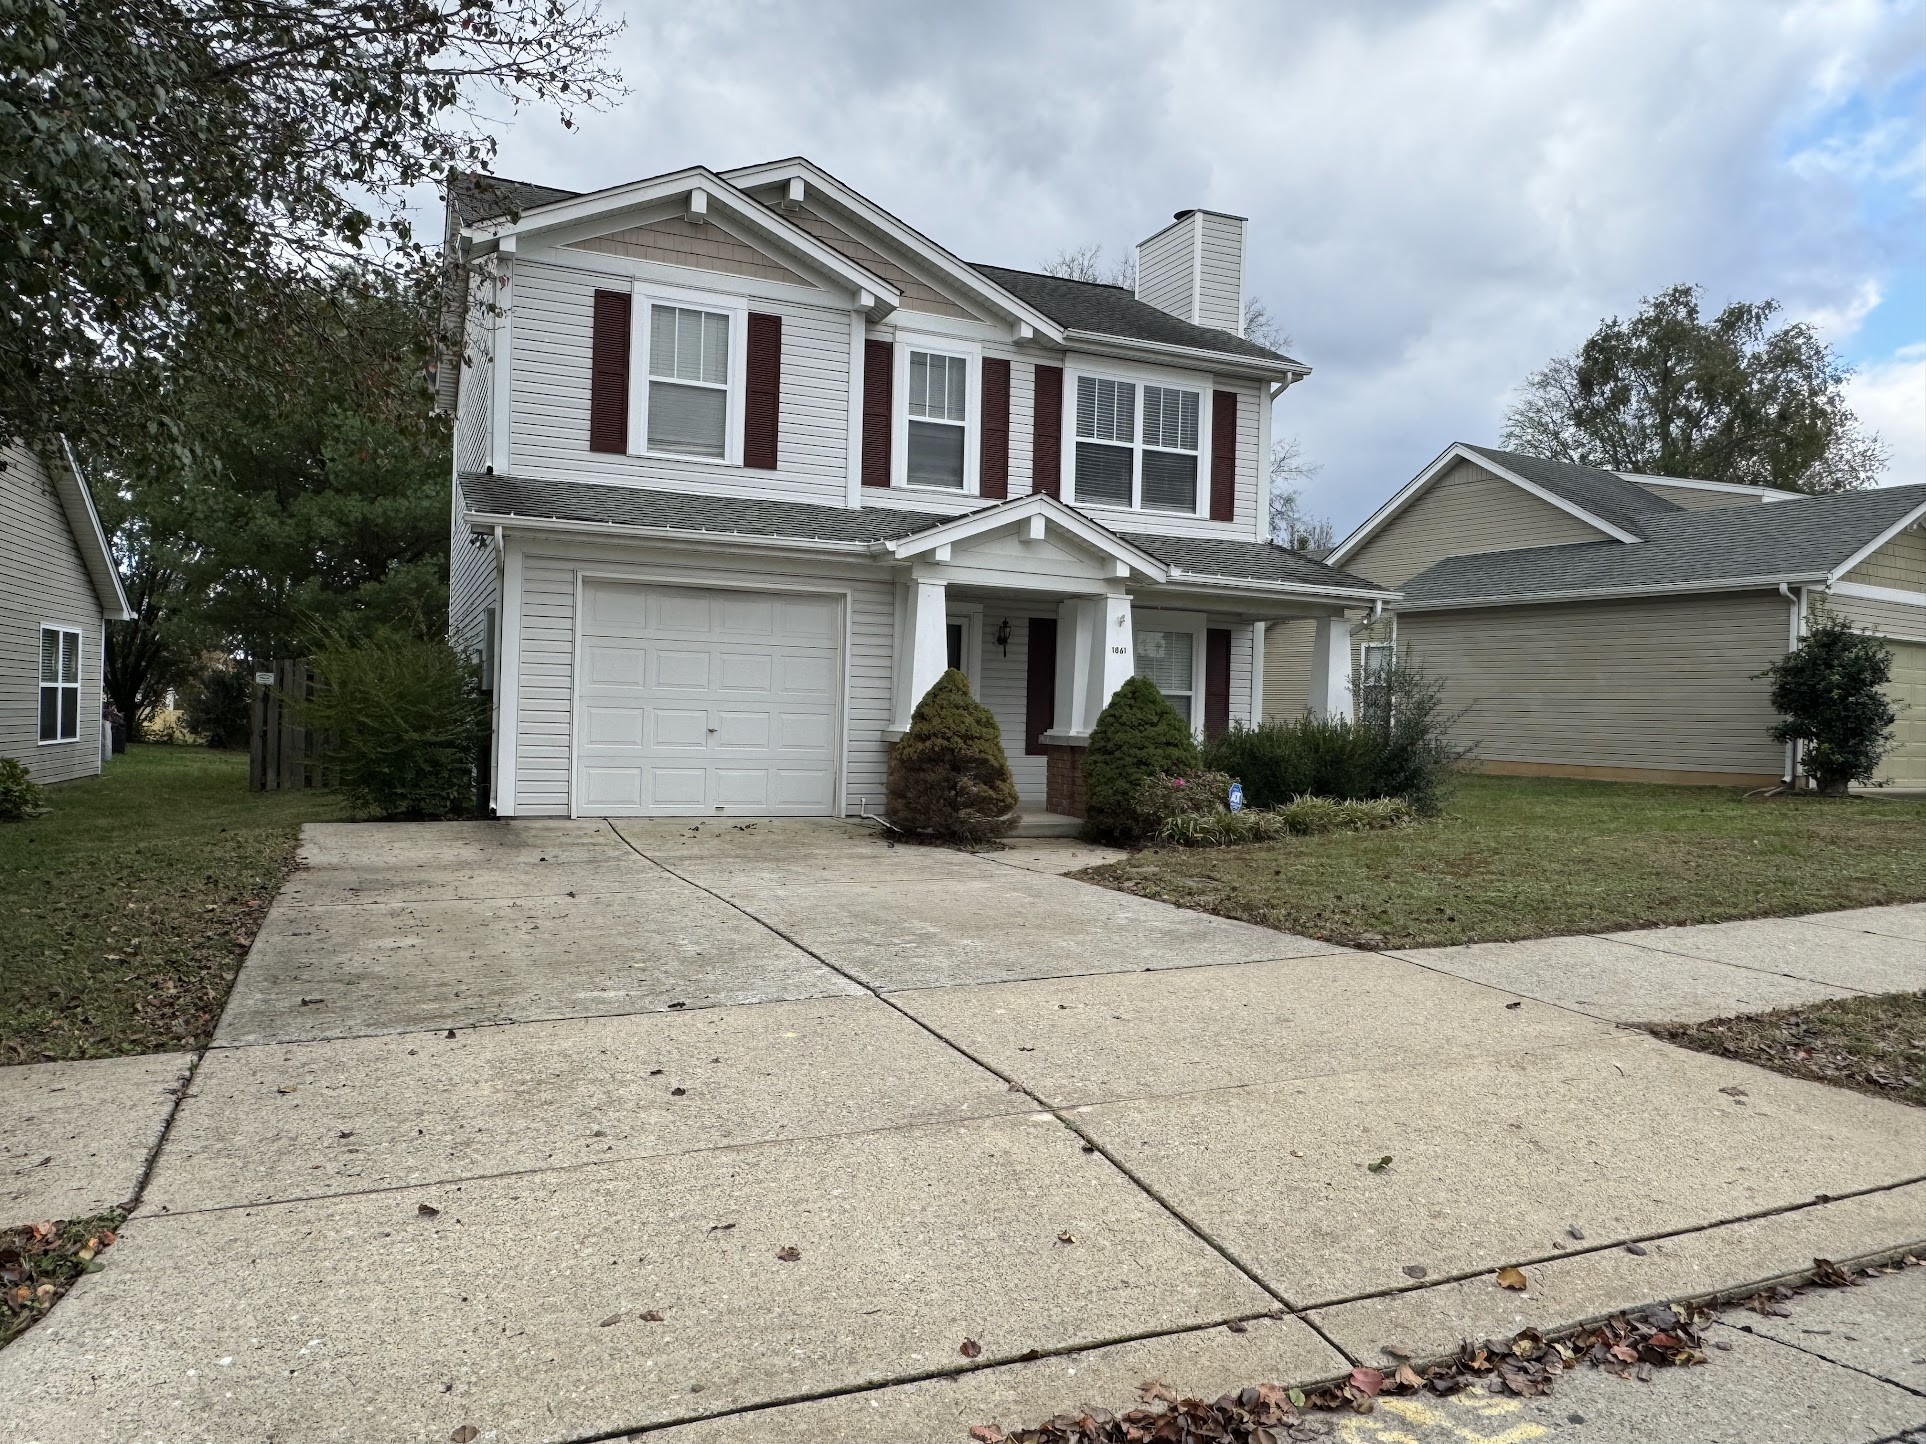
x=125, y=912
x=1874, y=1045
x=1530, y=857
x=40, y=1261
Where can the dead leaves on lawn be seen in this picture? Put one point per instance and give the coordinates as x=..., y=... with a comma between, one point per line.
x=40, y=1261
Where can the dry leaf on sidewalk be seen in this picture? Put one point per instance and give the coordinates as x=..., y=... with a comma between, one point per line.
x=1511, y=1278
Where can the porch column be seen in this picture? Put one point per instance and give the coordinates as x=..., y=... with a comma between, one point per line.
x=1115, y=657
x=926, y=637
x=1331, y=668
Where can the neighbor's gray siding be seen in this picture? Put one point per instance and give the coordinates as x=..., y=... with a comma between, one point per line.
x=547, y=655
x=551, y=336
x=1287, y=661
x=1661, y=683
x=1888, y=619
x=43, y=579
x=1466, y=510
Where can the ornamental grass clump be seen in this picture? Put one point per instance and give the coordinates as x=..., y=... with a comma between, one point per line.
x=948, y=778
x=1138, y=737
x=1301, y=817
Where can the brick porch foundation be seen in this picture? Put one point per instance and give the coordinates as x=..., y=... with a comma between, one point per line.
x=1063, y=787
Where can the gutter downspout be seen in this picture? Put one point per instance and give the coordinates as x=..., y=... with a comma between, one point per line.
x=1795, y=631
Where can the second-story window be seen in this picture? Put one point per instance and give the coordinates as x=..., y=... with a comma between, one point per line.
x=1137, y=446
x=938, y=419
x=688, y=381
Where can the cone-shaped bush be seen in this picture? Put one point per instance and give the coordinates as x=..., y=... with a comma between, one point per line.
x=1138, y=736
x=948, y=778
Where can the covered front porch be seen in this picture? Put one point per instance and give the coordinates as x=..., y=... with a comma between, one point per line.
x=1047, y=613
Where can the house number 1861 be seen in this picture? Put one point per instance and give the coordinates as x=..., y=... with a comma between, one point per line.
x=1118, y=650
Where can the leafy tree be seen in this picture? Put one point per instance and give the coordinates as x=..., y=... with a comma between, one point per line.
x=1138, y=736
x=173, y=161
x=948, y=777
x=1831, y=692
x=1725, y=398
x=315, y=494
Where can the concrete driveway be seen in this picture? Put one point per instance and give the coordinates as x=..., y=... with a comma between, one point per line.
x=562, y=1131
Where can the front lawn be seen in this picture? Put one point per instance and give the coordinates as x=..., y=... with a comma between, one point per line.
x=126, y=911
x=1534, y=857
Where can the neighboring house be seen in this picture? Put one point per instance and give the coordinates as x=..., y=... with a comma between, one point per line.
x=743, y=462
x=1593, y=624
x=58, y=589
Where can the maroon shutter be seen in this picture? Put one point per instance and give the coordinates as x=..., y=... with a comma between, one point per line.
x=1046, y=457
x=609, y=373
x=993, y=465
x=763, y=399
x=1040, y=692
x=1217, y=648
x=879, y=366
x=1223, y=456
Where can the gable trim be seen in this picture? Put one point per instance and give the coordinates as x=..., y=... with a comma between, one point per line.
x=1911, y=518
x=90, y=538
x=1731, y=488
x=1449, y=457
x=1038, y=508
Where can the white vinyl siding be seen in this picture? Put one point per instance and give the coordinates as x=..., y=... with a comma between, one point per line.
x=1164, y=268
x=1220, y=282
x=43, y=580
x=551, y=397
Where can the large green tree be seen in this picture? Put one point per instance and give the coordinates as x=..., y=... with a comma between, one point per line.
x=169, y=163
x=313, y=497
x=1673, y=392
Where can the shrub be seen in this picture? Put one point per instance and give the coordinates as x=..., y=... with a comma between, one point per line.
x=1163, y=797
x=1831, y=691
x=20, y=795
x=215, y=703
x=1301, y=817
x=403, y=722
x=1138, y=736
x=1400, y=745
x=948, y=778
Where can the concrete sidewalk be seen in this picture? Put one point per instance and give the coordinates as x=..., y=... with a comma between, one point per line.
x=562, y=1130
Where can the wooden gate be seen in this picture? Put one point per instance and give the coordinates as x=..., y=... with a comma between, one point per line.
x=282, y=750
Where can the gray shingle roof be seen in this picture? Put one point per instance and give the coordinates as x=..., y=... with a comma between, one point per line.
x=1605, y=494
x=1249, y=561
x=478, y=198
x=604, y=505
x=1113, y=311
x=1750, y=544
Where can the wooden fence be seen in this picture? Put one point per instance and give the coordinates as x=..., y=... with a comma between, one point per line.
x=282, y=751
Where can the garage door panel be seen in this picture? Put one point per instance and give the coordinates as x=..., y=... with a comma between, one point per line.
x=697, y=701
x=1905, y=765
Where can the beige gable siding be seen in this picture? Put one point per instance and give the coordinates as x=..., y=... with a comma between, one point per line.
x=918, y=294
x=705, y=247
x=546, y=657
x=43, y=580
x=1900, y=563
x=1665, y=684
x=1467, y=509
x=1692, y=498
x=551, y=335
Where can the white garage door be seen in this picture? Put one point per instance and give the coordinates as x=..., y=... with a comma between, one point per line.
x=692, y=701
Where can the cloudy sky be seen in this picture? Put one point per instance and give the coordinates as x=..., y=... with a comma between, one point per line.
x=1440, y=195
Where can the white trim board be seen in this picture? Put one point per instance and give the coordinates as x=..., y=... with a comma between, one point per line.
x=1911, y=518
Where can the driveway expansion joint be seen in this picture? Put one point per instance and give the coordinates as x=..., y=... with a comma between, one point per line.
x=1824, y=1358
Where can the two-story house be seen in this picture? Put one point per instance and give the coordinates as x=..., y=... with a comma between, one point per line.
x=744, y=462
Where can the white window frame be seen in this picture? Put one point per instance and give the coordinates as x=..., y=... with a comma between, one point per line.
x=1198, y=625
x=1140, y=377
x=645, y=297
x=77, y=686
x=972, y=356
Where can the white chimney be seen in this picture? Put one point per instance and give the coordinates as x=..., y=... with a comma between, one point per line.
x=1194, y=269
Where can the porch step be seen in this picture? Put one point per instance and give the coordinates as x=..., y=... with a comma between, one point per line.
x=1046, y=824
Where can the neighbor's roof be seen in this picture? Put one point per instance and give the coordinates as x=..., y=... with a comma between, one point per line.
x=1113, y=311
x=1090, y=306
x=1804, y=540
x=598, y=504
x=1605, y=494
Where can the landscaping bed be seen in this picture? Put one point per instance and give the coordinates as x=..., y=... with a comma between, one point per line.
x=129, y=907
x=1873, y=1045
x=1514, y=858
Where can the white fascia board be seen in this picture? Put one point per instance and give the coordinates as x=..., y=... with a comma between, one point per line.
x=1896, y=595
x=509, y=522
x=1763, y=493
x=1600, y=594
x=1224, y=363
x=955, y=270
x=725, y=197
x=90, y=537
x=1263, y=587
x=994, y=518
x=1911, y=518
x=1451, y=455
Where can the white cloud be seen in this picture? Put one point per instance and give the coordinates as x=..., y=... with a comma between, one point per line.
x=1890, y=397
x=1441, y=195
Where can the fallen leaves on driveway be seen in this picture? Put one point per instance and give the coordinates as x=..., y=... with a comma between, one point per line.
x=1511, y=1278
x=789, y=1253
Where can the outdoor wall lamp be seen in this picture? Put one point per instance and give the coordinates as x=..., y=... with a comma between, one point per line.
x=1003, y=636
